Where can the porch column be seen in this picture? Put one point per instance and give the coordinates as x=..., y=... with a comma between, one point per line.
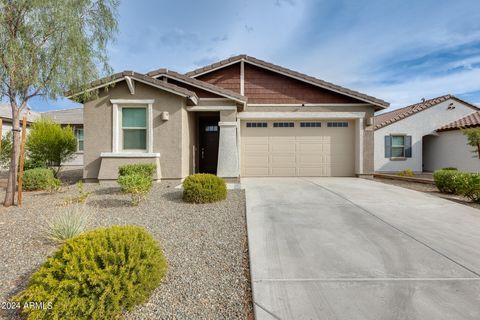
x=227, y=166
x=359, y=151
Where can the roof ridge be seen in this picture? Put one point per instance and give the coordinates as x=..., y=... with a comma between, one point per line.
x=64, y=109
x=292, y=73
x=139, y=77
x=202, y=84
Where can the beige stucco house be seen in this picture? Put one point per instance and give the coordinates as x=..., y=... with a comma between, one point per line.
x=238, y=117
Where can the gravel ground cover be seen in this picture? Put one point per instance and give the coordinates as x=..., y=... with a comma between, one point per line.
x=430, y=189
x=205, y=246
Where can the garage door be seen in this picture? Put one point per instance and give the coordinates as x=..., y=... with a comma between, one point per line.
x=298, y=148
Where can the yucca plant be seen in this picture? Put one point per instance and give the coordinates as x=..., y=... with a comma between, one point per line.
x=68, y=223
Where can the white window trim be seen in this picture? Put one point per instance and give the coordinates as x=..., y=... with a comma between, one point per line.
x=116, y=123
x=398, y=146
x=76, y=137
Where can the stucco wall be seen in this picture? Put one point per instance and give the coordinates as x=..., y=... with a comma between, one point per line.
x=449, y=149
x=167, y=135
x=417, y=126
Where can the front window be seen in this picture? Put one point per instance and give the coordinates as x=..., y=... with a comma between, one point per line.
x=79, y=135
x=134, y=128
x=398, y=146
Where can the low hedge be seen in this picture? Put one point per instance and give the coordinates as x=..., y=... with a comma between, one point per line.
x=469, y=186
x=456, y=182
x=137, y=185
x=146, y=169
x=204, y=188
x=97, y=275
x=40, y=179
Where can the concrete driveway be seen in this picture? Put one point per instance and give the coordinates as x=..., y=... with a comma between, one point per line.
x=347, y=248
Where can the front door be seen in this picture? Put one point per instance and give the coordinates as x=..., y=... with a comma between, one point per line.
x=208, y=151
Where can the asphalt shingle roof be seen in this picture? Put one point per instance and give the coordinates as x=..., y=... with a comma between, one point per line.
x=295, y=74
x=197, y=83
x=66, y=116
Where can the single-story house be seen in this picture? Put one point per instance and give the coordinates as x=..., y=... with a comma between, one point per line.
x=6, y=116
x=71, y=117
x=237, y=117
x=448, y=147
x=408, y=138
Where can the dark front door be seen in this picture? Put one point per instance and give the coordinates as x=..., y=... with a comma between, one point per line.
x=208, y=151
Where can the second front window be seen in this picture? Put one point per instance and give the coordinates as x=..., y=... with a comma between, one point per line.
x=134, y=128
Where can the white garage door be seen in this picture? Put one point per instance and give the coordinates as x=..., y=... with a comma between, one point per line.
x=298, y=148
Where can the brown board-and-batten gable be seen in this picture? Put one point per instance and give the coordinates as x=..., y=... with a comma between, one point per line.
x=227, y=77
x=267, y=83
x=264, y=86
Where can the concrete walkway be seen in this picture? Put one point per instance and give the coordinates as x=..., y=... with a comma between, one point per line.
x=347, y=248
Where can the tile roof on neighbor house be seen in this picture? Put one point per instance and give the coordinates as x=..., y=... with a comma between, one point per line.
x=294, y=74
x=470, y=121
x=385, y=119
x=65, y=116
x=6, y=113
x=120, y=76
x=197, y=83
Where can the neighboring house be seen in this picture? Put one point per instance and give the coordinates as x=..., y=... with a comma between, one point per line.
x=73, y=118
x=403, y=136
x=448, y=148
x=6, y=116
x=237, y=117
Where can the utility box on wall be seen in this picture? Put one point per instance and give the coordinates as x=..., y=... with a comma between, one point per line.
x=164, y=116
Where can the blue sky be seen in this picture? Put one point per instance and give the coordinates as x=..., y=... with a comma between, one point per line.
x=396, y=50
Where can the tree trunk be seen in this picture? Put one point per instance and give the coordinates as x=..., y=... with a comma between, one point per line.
x=12, y=174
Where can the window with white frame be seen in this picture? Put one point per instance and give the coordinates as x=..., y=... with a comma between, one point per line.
x=398, y=146
x=79, y=135
x=134, y=128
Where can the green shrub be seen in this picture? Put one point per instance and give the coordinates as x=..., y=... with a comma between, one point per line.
x=97, y=275
x=446, y=180
x=406, y=173
x=40, y=179
x=68, y=223
x=450, y=168
x=137, y=185
x=469, y=186
x=146, y=169
x=49, y=144
x=204, y=188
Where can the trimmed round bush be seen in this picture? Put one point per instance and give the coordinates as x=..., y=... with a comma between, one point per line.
x=146, y=169
x=40, y=179
x=204, y=188
x=97, y=275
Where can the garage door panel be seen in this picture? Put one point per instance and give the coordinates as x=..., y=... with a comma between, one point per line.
x=257, y=160
x=315, y=147
x=282, y=146
x=312, y=160
x=256, y=172
x=283, y=172
x=298, y=151
x=283, y=161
